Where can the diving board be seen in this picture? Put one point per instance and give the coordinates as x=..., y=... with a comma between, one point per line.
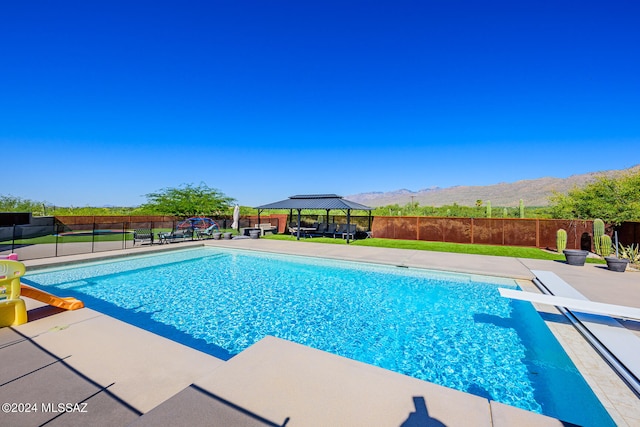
x=585, y=306
x=617, y=344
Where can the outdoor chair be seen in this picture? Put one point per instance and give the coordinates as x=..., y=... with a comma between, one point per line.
x=209, y=231
x=141, y=235
x=177, y=235
x=320, y=230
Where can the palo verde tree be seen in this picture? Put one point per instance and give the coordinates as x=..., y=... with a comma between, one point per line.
x=187, y=200
x=612, y=199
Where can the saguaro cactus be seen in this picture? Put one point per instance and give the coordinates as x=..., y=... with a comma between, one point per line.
x=521, y=209
x=598, y=232
x=489, y=209
x=561, y=240
x=605, y=246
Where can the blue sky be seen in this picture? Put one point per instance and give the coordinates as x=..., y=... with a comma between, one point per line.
x=104, y=102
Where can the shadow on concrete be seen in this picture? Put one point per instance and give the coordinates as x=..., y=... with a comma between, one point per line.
x=420, y=417
x=42, y=312
x=240, y=409
x=195, y=407
x=47, y=381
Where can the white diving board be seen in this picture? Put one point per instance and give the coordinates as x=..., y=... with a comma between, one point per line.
x=585, y=306
x=617, y=344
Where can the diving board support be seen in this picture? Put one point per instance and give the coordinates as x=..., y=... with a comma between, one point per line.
x=584, y=306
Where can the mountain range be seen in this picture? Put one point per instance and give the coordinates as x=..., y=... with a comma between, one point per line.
x=533, y=192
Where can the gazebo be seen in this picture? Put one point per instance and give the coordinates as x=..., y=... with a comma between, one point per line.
x=326, y=202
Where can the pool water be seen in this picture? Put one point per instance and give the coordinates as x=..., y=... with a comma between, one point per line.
x=450, y=329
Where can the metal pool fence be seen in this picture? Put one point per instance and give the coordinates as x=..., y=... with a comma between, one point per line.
x=46, y=237
x=74, y=236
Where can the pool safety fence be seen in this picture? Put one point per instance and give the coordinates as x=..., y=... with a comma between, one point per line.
x=45, y=237
x=60, y=236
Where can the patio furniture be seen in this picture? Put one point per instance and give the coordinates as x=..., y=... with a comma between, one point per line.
x=208, y=232
x=320, y=230
x=142, y=235
x=347, y=231
x=178, y=235
x=266, y=227
x=304, y=231
x=247, y=231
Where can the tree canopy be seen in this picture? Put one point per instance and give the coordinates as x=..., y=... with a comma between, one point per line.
x=187, y=200
x=612, y=199
x=17, y=204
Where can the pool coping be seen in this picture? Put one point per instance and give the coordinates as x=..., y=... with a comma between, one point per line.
x=476, y=264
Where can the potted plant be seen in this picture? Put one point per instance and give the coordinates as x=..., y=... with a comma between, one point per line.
x=575, y=256
x=616, y=264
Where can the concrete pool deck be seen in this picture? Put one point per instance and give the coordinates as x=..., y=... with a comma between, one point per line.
x=127, y=375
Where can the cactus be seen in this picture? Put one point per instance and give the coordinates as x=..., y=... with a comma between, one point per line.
x=505, y=213
x=598, y=232
x=521, y=209
x=489, y=209
x=561, y=240
x=605, y=246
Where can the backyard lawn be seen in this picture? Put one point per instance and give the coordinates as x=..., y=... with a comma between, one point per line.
x=509, y=251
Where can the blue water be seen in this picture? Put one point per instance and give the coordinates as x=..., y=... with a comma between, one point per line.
x=450, y=329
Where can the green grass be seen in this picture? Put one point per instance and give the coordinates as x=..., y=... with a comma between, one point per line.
x=70, y=238
x=508, y=251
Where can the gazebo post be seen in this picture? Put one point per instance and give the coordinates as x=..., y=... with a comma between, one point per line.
x=298, y=224
x=328, y=217
x=348, y=224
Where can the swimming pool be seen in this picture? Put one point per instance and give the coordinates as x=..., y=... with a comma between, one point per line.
x=450, y=329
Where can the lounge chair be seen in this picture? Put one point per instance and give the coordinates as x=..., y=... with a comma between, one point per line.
x=209, y=231
x=177, y=235
x=320, y=230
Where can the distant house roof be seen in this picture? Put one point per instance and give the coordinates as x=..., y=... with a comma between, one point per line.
x=316, y=201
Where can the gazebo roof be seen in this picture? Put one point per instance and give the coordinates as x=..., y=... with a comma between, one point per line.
x=316, y=201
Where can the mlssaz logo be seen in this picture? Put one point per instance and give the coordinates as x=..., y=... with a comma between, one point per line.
x=64, y=407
